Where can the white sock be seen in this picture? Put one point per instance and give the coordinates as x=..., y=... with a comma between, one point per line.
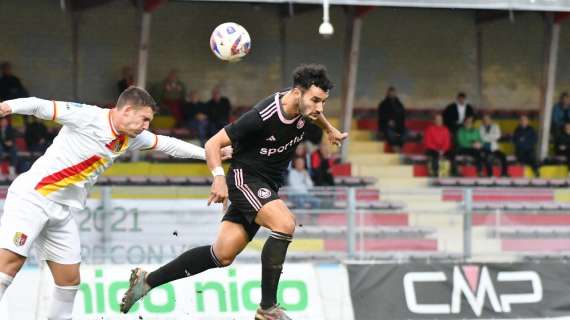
x=5, y=281
x=62, y=303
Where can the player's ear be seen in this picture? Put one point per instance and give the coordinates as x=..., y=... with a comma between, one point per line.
x=128, y=109
x=297, y=92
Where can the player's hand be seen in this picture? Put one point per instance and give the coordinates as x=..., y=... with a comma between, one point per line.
x=5, y=110
x=219, y=191
x=227, y=152
x=335, y=136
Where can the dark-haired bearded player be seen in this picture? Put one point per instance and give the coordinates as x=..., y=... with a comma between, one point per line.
x=264, y=140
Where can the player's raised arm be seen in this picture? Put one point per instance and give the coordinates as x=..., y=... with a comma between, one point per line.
x=334, y=135
x=40, y=108
x=65, y=113
x=219, y=191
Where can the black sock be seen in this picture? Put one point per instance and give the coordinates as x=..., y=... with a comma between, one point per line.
x=187, y=264
x=272, y=258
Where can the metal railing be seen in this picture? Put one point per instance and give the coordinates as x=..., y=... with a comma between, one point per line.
x=144, y=226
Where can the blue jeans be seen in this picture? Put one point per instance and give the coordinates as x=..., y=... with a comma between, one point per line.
x=305, y=201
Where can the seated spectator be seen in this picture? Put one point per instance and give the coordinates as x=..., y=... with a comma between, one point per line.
x=172, y=94
x=10, y=86
x=8, y=146
x=321, y=166
x=490, y=134
x=219, y=109
x=437, y=143
x=392, y=120
x=563, y=144
x=299, y=182
x=560, y=114
x=469, y=143
x=37, y=137
x=127, y=80
x=455, y=113
x=195, y=116
x=525, y=139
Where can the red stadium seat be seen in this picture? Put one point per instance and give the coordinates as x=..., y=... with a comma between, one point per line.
x=371, y=219
x=384, y=245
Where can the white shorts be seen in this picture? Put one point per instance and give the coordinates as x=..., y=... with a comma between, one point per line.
x=28, y=219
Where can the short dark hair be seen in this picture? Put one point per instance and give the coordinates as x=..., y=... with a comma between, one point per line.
x=136, y=97
x=307, y=75
x=461, y=94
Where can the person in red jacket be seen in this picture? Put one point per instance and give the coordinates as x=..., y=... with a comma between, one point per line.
x=437, y=143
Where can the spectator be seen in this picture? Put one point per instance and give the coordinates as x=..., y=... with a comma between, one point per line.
x=455, y=113
x=172, y=95
x=560, y=114
x=437, y=143
x=195, y=116
x=525, y=140
x=469, y=143
x=300, y=183
x=127, y=80
x=490, y=134
x=219, y=108
x=563, y=144
x=321, y=166
x=10, y=86
x=392, y=120
x=8, y=146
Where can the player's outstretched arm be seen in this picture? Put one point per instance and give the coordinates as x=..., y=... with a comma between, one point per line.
x=182, y=149
x=335, y=136
x=43, y=109
x=219, y=190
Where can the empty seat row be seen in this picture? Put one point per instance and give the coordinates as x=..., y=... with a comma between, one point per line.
x=530, y=232
x=501, y=182
x=313, y=231
x=521, y=206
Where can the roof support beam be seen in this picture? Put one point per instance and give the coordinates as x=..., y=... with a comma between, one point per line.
x=552, y=36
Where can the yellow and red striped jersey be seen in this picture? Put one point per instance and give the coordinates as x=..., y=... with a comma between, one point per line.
x=86, y=145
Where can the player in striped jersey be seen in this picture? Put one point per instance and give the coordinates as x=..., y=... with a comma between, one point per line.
x=264, y=140
x=40, y=202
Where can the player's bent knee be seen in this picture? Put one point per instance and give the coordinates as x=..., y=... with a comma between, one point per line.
x=286, y=226
x=68, y=281
x=226, y=259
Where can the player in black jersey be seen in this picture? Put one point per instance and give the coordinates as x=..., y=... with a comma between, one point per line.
x=264, y=140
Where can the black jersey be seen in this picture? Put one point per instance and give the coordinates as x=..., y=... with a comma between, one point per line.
x=264, y=141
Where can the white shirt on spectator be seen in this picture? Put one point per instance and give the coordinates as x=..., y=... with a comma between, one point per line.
x=461, y=112
x=492, y=136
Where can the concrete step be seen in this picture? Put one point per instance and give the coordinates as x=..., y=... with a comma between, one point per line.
x=390, y=183
x=360, y=135
x=367, y=147
x=417, y=201
x=374, y=159
x=383, y=171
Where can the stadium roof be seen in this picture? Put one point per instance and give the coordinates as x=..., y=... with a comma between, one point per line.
x=529, y=5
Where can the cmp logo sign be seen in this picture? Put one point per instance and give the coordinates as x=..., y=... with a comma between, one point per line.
x=473, y=286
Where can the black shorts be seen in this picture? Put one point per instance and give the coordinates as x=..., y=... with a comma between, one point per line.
x=247, y=194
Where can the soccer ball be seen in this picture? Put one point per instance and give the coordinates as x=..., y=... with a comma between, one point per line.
x=230, y=41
